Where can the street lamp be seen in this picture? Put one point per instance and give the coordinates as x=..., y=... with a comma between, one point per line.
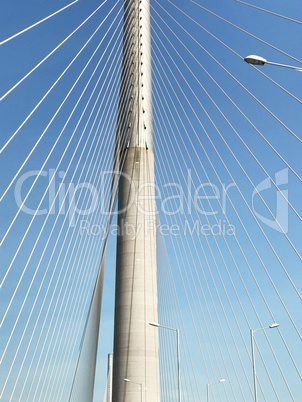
x=212, y=383
x=260, y=61
x=155, y=324
x=138, y=383
x=274, y=325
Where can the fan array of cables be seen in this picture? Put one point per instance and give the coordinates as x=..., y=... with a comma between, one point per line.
x=228, y=181
x=58, y=155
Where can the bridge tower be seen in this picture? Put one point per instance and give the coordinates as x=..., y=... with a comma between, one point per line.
x=135, y=354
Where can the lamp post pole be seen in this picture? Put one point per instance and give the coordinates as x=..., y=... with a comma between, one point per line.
x=212, y=383
x=254, y=366
x=155, y=324
x=178, y=365
x=275, y=325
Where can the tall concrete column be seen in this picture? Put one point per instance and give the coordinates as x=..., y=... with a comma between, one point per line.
x=135, y=355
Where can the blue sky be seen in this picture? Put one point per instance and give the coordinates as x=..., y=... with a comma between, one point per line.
x=173, y=160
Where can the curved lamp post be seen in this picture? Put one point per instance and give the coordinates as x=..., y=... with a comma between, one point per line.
x=155, y=324
x=138, y=383
x=212, y=383
x=274, y=325
x=260, y=61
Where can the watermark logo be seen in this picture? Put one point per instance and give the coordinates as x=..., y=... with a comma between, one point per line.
x=150, y=228
x=279, y=221
x=208, y=201
x=84, y=199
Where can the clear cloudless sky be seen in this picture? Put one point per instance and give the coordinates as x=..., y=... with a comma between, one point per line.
x=183, y=134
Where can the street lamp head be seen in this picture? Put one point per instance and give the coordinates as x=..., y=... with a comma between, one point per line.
x=256, y=60
x=275, y=325
x=154, y=324
x=126, y=379
x=222, y=380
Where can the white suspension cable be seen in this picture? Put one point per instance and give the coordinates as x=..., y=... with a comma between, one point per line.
x=76, y=275
x=51, y=88
x=218, y=132
x=37, y=23
x=65, y=125
x=181, y=136
x=53, y=249
x=83, y=295
x=52, y=344
x=81, y=137
x=238, y=55
x=166, y=102
x=269, y=12
x=248, y=236
x=188, y=264
x=116, y=53
x=56, y=113
x=219, y=274
x=292, y=359
x=85, y=129
x=182, y=279
x=234, y=78
x=173, y=292
x=166, y=131
x=45, y=58
x=68, y=358
x=176, y=171
x=188, y=246
x=241, y=112
x=167, y=314
x=45, y=375
x=271, y=215
x=56, y=169
x=53, y=203
x=241, y=224
x=246, y=32
x=256, y=159
x=62, y=247
x=88, y=263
